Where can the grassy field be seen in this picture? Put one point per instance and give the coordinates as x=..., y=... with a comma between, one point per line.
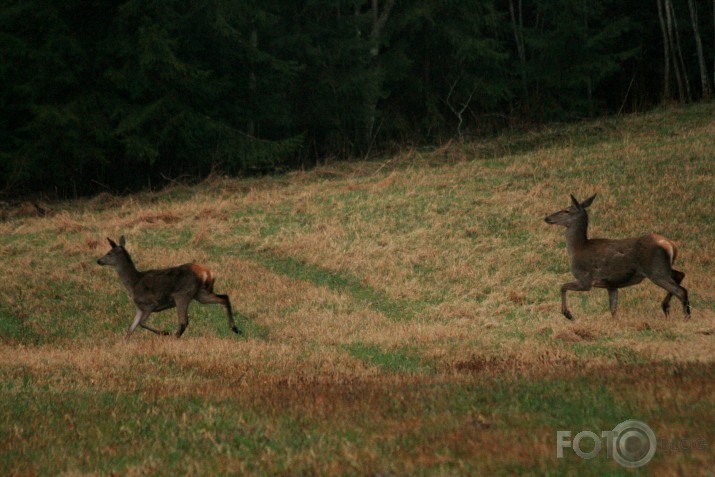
x=401, y=316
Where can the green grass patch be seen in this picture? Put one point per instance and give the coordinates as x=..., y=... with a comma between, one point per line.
x=395, y=361
x=341, y=282
x=14, y=328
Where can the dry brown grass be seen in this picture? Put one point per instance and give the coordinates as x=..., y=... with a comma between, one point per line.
x=365, y=289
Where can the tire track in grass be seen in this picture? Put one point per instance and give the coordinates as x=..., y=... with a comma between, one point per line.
x=391, y=308
x=399, y=361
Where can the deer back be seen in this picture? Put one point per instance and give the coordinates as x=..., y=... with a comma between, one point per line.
x=180, y=279
x=622, y=262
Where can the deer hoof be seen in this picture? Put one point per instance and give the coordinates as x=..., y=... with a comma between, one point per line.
x=236, y=330
x=568, y=315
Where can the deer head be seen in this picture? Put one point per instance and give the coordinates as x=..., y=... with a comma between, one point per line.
x=116, y=254
x=570, y=215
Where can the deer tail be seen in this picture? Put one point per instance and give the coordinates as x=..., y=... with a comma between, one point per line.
x=667, y=245
x=205, y=275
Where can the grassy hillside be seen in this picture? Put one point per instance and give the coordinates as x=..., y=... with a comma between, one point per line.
x=401, y=316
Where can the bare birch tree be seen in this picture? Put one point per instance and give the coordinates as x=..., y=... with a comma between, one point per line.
x=252, y=80
x=667, y=94
x=679, y=50
x=517, y=24
x=379, y=19
x=704, y=81
x=457, y=108
x=670, y=23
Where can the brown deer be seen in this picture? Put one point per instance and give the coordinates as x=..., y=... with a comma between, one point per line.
x=157, y=290
x=614, y=264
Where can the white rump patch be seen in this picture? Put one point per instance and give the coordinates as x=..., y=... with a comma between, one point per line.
x=668, y=248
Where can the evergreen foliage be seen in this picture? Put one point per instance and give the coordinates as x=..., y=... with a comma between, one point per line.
x=127, y=94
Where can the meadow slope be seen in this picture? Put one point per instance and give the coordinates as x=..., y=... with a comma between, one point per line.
x=401, y=316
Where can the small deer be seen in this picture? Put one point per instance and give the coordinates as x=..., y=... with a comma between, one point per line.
x=614, y=264
x=157, y=290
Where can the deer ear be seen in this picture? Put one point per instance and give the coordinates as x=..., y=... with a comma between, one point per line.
x=575, y=202
x=588, y=201
x=112, y=243
x=122, y=242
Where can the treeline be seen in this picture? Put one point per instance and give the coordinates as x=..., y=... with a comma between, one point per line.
x=119, y=95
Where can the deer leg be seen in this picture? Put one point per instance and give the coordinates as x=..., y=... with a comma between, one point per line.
x=673, y=288
x=182, y=308
x=573, y=286
x=154, y=330
x=206, y=297
x=678, y=277
x=613, y=301
x=138, y=319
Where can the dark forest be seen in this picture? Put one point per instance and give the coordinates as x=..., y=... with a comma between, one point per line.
x=126, y=95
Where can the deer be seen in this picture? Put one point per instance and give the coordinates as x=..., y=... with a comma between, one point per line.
x=614, y=264
x=158, y=290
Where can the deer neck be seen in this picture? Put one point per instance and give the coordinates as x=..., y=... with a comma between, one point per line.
x=127, y=272
x=577, y=235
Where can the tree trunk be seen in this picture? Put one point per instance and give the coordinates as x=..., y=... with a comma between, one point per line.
x=669, y=20
x=684, y=73
x=667, y=95
x=589, y=81
x=253, y=82
x=518, y=29
x=379, y=19
x=704, y=81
